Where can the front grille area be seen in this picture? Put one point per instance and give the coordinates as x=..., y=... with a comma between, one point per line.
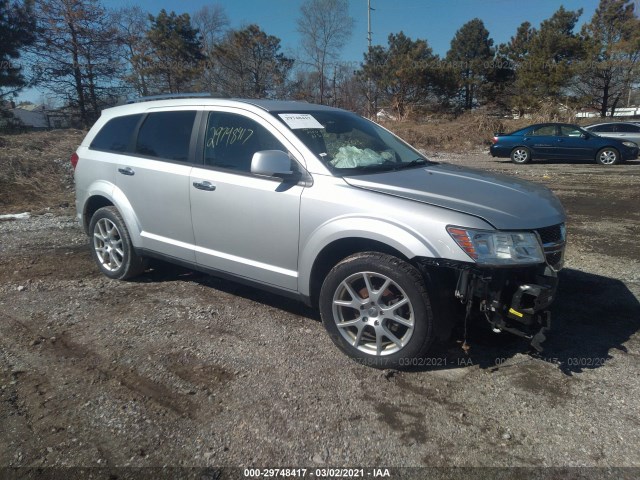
x=553, y=241
x=551, y=234
x=554, y=259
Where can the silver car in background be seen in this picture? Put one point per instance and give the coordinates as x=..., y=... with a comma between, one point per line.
x=620, y=130
x=320, y=204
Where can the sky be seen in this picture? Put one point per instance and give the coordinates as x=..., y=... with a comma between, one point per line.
x=433, y=20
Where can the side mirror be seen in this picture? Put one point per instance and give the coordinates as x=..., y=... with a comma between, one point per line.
x=272, y=163
x=585, y=135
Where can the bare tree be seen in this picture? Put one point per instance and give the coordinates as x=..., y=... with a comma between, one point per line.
x=212, y=22
x=325, y=27
x=76, y=54
x=132, y=24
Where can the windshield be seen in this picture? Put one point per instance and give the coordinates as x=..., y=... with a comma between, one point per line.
x=349, y=144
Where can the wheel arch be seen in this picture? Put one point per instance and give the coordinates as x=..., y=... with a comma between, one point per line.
x=102, y=195
x=338, y=250
x=91, y=206
x=345, y=236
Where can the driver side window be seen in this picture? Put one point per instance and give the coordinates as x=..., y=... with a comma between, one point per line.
x=231, y=140
x=567, y=131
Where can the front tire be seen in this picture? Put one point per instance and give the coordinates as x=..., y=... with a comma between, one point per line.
x=608, y=156
x=521, y=155
x=377, y=310
x=111, y=246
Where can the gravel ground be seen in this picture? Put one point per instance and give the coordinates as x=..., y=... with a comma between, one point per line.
x=181, y=369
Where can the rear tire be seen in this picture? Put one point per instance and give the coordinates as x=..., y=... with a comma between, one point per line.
x=521, y=155
x=377, y=310
x=608, y=156
x=111, y=246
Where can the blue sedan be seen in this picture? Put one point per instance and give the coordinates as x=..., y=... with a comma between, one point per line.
x=561, y=140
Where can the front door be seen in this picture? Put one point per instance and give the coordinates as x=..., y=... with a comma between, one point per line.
x=244, y=224
x=572, y=143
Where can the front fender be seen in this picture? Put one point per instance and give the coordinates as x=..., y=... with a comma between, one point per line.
x=398, y=236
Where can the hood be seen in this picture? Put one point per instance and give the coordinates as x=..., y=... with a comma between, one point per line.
x=505, y=202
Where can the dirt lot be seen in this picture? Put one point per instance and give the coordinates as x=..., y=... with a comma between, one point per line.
x=180, y=369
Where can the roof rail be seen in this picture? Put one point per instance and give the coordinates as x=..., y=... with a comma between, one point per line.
x=169, y=96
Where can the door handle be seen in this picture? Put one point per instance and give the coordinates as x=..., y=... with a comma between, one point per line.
x=204, y=185
x=127, y=171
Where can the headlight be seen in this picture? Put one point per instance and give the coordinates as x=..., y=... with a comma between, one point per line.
x=498, y=248
x=630, y=144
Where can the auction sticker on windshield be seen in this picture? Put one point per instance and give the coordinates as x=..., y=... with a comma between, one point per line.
x=300, y=120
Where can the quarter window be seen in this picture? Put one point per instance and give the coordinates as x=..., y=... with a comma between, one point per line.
x=231, y=140
x=115, y=135
x=166, y=135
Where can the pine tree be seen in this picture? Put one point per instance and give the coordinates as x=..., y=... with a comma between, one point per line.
x=612, y=40
x=471, y=56
x=17, y=30
x=403, y=75
x=545, y=61
x=174, y=59
x=248, y=63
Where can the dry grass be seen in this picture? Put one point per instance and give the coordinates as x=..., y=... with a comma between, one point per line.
x=35, y=171
x=469, y=131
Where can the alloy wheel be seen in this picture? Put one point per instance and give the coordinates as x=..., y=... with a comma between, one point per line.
x=373, y=313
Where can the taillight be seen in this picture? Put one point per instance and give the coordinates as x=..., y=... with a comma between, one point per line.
x=494, y=140
x=74, y=160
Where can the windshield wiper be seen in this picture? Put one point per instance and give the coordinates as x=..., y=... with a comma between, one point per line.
x=412, y=163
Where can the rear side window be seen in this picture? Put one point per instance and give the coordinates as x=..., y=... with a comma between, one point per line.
x=628, y=128
x=603, y=128
x=166, y=135
x=115, y=135
x=544, y=130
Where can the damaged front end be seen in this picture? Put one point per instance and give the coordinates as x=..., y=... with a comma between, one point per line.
x=513, y=298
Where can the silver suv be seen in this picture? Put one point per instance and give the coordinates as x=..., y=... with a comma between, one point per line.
x=323, y=205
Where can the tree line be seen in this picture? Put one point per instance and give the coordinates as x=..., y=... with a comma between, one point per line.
x=91, y=57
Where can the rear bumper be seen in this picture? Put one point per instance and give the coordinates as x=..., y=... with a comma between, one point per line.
x=499, y=151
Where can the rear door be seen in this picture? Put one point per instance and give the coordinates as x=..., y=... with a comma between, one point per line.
x=244, y=224
x=543, y=141
x=154, y=179
x=629, y=132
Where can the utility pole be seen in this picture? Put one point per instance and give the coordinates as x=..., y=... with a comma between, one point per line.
x=372, y=106
x=369, y=21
